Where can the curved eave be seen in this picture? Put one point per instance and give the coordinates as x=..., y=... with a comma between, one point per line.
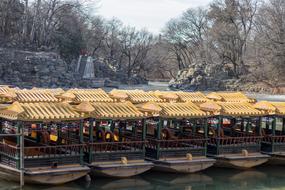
x=241, y=115
x=50, y=120
x=118, y=118
x=182, y=116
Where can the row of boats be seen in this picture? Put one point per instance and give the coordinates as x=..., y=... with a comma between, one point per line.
x=68, y=134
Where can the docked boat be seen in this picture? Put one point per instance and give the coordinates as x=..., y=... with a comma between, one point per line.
x=235, y=139
x=273, y=129
x=176, y=135
x=114, y=134
x=44, y=159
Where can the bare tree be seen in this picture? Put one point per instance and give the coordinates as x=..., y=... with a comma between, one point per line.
x=135, y=46
x=232, y=25
x=187, y=36
x=270, y=41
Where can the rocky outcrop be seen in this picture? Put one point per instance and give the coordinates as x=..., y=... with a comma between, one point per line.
x=28, y=69
x=217, y=78
x=41, y=69
x=199, y=77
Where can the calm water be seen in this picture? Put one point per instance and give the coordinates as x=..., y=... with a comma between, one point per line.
x=262, y=178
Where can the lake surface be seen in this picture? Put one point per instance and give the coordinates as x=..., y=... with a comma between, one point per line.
x=264, y=177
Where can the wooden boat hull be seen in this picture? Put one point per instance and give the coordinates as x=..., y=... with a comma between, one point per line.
x=239, y=161
x=276, y=158
x=120, y=170
x=183, y=165
x=45, y=176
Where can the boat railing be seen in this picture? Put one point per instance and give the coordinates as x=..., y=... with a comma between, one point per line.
x=175, y=147
x=177, y=143
x=273, y=143
x=53, y=155
x=41, y=156
x=102, y=151
x=223, y=141
x=274, y=138
x=9, y=155
x=230, y=145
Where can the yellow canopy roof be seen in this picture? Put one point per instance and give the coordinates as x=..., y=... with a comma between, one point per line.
x=84, y=107
x=116, y=110
x=229, y=97
x=166, y=95
x=66, y=96
x=239, y=109
x=149, y=107
x=280, y=107
x=118, y=94
x=211, y=106
x=140, y=96
x=214, y=96
x=265, y=106
x=181, y=110
x=90, y=95
x=35, y=95
x=196, y=97
x=42, y=111
x=6, y=94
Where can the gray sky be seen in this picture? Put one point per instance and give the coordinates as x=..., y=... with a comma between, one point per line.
x=149, y=14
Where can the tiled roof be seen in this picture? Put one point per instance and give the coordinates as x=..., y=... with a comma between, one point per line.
x=239, y=109
x=90, y=95
x=271, y=108
x=35, y=95
x=6, y=94
x=229, y=97
x=116, y=110
x=140, y=96
x=181, y=110
x=196, y=97
x=42, y=111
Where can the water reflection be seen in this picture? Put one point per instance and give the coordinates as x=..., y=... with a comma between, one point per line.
x=178, y=181
x=119, y=184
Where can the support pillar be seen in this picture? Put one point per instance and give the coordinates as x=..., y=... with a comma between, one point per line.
x=194, y=126
x=144, y=134
x=159, y=126
x=204, y=123
x=22, y=146
x=283, y=126
x=81, y=140
x=273, y=132
x=91, y=140
x=219, y=126
x=247, y=125
x=259, y=122
x=267, y=124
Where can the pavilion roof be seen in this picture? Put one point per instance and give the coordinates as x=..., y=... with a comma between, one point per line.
x=90, y=95
x=195, y=97
x=140, y=96
x=229, y=97
x=40, y=111
x=35, y=95
x=116, y=110
x=242, y=109
x=181, y=110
